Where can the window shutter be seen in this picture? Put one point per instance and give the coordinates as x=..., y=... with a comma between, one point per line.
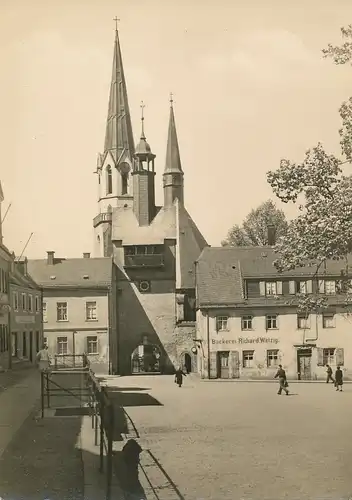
x=320, y=356
x=321, y=286
x=340, y=358
x=309, y=286
x=262, y=287
x=213, y=365
x=292, y=287
x=98, y=345
x=279, y=287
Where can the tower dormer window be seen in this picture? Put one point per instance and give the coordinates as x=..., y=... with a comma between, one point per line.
x=124, y=183
x=108, y=180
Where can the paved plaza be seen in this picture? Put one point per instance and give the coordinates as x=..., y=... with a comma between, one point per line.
x=228, y=440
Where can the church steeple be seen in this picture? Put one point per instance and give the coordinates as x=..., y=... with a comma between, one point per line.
x=118, y=135
x=173, y=173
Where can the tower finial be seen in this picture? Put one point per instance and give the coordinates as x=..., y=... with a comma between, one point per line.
x=142, y=119
x=171, y=99
x=116, y=21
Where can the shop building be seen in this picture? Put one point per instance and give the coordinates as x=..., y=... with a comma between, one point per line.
x=248, y=321
x=79, y=296
x=26, y=323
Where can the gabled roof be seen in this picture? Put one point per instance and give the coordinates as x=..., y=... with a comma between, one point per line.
x=80, y=273
x=170, y=223
x=220, y=270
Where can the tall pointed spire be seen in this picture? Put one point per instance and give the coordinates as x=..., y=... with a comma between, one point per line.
x=173, y=160
x=173, y=173
x=118, y=136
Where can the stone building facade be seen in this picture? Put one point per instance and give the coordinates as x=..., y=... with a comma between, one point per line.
x=78, y=307
x=248, y=320
x=154, y=247
x=26, y=325
x=6, y=259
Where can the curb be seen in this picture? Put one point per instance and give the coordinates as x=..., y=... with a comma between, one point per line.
x=243, y=381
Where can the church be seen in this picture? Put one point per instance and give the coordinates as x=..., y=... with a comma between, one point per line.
x=154, y=248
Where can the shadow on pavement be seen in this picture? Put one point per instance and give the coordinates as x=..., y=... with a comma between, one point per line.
x=43, y=460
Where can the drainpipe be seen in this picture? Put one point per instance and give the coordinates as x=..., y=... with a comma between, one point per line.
x=208, y=341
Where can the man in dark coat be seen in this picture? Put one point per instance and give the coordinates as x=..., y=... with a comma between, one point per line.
x=281, y=374
x=329, y=374
x=338, y=379
x=179, y=376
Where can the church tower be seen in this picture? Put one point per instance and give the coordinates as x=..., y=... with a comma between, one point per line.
x=173, y=173
x=143, y=180
x=114, y=165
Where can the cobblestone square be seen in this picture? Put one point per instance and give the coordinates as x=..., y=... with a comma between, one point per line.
x=233, y=440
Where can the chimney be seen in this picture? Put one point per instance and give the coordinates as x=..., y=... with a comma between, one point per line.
x=50, y=259
x=86, y=255
x=271, y=232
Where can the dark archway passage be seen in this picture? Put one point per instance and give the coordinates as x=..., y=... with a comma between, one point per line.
x=188, y=362
x=146, y=358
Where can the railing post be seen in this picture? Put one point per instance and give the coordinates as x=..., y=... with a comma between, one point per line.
x=42, y=391
x=47, y=390
x=110, y=451
x=102, y=422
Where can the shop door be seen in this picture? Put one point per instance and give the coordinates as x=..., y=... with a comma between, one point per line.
x=223, y=364
x=304, y=358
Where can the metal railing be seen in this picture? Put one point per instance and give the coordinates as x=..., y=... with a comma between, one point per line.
x=152, y=260
x=103, y=217
x=70, y=361
x=100, y=408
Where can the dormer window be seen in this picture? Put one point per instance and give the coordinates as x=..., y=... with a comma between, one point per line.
x=108, y=180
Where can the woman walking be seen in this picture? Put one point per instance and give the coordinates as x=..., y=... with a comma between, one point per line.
x=338, y=379
x=179, y=376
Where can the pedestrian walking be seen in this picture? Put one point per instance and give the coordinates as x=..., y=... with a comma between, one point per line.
x=179, y=376
x=43, y=358
x=338, y=379
x=281, y=375
x=329, y=374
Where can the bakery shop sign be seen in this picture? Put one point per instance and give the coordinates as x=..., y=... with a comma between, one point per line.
x=246, y=340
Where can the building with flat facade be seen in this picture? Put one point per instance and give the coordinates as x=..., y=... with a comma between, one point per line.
x=248, y=321
x=78, y=307
x=5, y=268
x=26, y=325
x=153, y=247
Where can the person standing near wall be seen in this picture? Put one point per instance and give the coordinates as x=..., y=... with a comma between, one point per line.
x=329, y=374
x=43, y=359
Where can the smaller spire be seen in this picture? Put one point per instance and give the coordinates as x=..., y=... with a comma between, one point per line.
x=142, y=120
x=173, y=161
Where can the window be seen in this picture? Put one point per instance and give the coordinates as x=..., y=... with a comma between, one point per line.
x=248, y=357
x=108, y=180
x=302, y=287
x=45, y=319
x=329, y=356
x=62, y=345
x=271, y=322
x=272, y=357
x=30, y=303
x=4, y=280
x=270, y=288
x=37, y=303
x=24, y=305
x=91, y=311
x=247, y=322
x=144, y=250
x=221, y=323
x=61, y=308
x=15, y=301
x=92, y=344
x=328, y=320
x=124, y=181
x=303, y=322
x=330, y=287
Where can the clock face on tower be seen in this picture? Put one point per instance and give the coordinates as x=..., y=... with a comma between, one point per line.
x=124, y=168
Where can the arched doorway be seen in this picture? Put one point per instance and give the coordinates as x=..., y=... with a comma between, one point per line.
x=186, y=360
x=146, y=358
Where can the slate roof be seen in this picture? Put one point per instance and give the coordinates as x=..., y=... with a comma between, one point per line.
x=23, y=281
x=170, y=223
x=220, y=271
x=71, y=272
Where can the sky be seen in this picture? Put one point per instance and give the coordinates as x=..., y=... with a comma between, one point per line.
x=250, y=87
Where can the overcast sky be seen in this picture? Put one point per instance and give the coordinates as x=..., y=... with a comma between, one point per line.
x=250, y=87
